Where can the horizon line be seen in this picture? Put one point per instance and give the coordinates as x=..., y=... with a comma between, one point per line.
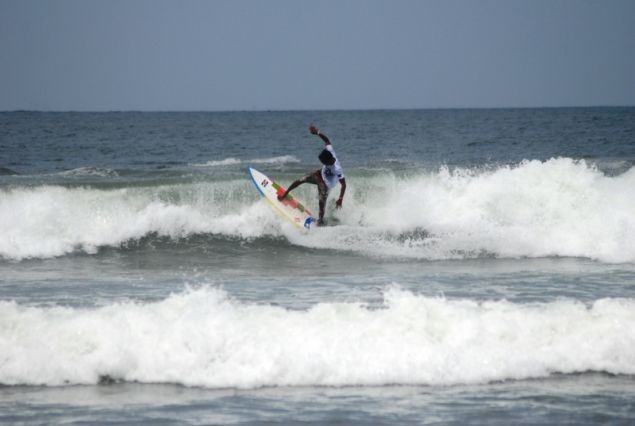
x=308, y=109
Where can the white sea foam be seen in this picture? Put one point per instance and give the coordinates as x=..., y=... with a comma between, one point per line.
x=559, y=207
x=235, y=161
x=202, y=338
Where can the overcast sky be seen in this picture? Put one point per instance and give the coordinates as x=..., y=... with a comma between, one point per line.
x=297, y=54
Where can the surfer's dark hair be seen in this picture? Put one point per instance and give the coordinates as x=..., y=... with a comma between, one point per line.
x=326, y=158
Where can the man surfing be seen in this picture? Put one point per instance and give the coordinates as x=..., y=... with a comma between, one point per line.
x=325, y=178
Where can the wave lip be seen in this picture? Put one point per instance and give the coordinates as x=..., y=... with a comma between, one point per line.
x=203, y=338
x=52, y=221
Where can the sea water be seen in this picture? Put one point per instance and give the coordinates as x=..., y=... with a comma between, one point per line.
x=481, y=271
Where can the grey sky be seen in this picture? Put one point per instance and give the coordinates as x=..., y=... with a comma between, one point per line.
x=296, y=54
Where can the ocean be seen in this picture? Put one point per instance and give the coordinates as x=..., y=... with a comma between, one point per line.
x=480, y=272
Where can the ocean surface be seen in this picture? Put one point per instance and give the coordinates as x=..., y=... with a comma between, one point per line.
x=481, y=271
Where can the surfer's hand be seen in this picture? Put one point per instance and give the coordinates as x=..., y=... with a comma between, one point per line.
x=314, y=130
x=338, y=203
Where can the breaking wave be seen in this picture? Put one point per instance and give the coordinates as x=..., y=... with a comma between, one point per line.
x=203, y=338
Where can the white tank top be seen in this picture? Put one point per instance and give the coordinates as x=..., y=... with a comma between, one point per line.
x=332, y=174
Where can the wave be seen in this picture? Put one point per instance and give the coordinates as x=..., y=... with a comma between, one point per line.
x=204, y=338
x=51, y=221
x=284, y=159
x=561, y=207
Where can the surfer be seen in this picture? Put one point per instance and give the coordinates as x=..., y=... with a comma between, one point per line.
x=325, y=178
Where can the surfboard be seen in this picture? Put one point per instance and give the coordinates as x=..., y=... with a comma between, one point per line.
x=290, y=208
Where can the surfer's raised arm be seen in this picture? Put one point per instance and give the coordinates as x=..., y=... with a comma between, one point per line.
x=315, y=131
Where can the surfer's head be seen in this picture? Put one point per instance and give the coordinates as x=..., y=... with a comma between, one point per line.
x=326, y=158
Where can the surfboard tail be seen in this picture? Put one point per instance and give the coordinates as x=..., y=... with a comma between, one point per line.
x=307, y=223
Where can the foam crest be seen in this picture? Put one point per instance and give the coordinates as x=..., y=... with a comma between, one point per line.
x=203, y=338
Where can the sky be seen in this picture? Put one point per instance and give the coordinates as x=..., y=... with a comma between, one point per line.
x=157, y=55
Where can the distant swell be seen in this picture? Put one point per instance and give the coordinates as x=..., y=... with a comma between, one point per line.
x=561, y=207
x=90, y=172
x=7, y=172
x=202, y=338
x=234, y=161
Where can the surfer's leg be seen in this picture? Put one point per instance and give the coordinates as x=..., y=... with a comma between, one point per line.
x=310, y=178
x=323, y=193
x=291, y=187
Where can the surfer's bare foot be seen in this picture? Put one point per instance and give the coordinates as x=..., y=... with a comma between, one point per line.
x=320, y=222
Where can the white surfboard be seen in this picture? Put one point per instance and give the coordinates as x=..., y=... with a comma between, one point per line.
x=289, y=208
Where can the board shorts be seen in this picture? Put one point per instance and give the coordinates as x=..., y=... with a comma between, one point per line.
x=315, y=178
